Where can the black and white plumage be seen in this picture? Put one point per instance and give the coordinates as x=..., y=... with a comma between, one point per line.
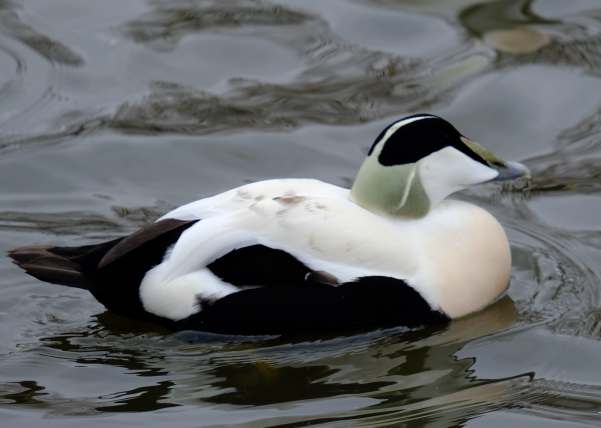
x=298, y=255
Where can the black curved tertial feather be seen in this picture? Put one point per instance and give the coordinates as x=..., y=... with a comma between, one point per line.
x=117, y=277
x=258, y=265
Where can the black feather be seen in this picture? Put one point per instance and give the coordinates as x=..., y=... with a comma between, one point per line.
x=369, y=302
x=418, y=139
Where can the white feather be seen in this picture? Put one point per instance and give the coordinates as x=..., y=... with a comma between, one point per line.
x=181, y=297
x=448, y=170
x=318, y=224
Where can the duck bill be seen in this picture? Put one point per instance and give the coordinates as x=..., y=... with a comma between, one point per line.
x=506, y=170
x=510, y=171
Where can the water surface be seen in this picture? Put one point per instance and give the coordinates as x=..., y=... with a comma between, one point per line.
x=113, y=112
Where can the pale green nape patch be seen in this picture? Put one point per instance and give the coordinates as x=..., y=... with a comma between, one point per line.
x=483, y=152
x=392, y=190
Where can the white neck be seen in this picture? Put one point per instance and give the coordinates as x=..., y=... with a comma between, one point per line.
x=447, y=171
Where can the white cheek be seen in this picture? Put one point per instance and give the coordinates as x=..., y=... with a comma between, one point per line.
x=448, y=170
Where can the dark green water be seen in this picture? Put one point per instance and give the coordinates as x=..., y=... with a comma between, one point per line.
x=113, y=112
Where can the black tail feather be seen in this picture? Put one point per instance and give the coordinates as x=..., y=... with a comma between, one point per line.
x=60, y=265
x=44, y=264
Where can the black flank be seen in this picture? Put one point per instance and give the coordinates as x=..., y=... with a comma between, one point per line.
x=369, y=302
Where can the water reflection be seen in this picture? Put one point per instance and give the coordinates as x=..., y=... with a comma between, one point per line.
x=339, y=83
x=53, y=50
x=170, y=21
x=86, y=225
x=501, y=15
x=23, y=392
x=32, y=88
x=406, y=375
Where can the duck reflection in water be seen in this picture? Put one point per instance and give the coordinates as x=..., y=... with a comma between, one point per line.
x=400, y=375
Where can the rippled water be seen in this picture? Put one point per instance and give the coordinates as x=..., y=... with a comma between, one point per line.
x=112, y=112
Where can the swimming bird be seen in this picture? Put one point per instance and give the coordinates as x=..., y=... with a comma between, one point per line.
x=302, y=255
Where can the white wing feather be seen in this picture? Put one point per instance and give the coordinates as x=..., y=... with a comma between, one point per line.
x=294, y=215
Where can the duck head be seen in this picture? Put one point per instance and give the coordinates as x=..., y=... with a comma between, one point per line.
x=418, y=161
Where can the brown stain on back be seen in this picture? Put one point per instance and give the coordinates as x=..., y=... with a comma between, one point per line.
x=289, y=199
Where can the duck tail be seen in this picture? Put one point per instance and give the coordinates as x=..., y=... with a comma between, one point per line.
x=45, y=264
x=60, y=265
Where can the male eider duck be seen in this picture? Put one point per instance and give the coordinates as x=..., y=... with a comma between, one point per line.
x=301, y=255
